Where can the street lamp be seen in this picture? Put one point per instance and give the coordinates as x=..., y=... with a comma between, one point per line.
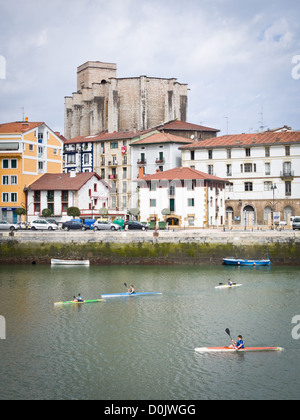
x=273, y=188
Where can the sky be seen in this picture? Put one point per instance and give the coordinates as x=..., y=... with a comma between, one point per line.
x=240, y=59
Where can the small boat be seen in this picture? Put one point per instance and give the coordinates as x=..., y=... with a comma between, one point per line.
x=70, y=262
x=229, y=350
x=73, y=302
x=239, y=262
x=112, y=295
x=227, y=286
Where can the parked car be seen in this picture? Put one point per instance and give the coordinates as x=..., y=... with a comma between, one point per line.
x=41, y=224
x=131, y=224
x=8, y=226
x=74, y=224
x=105, y=225
x=296, y=223
x=24, y=225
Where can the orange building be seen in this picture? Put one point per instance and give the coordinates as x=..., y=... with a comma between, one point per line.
x=27, y=151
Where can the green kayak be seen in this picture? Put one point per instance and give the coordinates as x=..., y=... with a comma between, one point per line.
x=70, y=302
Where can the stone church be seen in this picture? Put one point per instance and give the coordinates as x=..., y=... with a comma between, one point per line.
x=104, y=102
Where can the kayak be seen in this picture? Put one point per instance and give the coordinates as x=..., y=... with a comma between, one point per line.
x=112, y=295
x=70, y=302
x=227, y=286
x=228, y=350
x=70, y=262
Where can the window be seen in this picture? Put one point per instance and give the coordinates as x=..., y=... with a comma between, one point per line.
x=13, y=163
x=268, y=186
x=192, y=155
x=210, y=169
x=287, y=150
x=248, y=186
x=71, y=159
x=288, y=188
x=267, y=151
x=267, y=168
x=124, y=190
x=5, y=163
x=124, y=201
x=228, y=153
x=13, y=197
x=86, y=159
x=5, y=197
x=113, y=144
x=248, y=152
x=228, y=170
x=5, y=180
x=210, y=154
x=152, y=203
x=191, y=202
x=191, y=220
x=124, y=173
x=14, y=180
x=31, y=148
x=95, y=187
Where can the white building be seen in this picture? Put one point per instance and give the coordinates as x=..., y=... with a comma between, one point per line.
x=58, y=192
x=262, y=169
x=182, y=197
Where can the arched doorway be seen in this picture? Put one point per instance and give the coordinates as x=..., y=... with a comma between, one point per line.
x=173, y=221
x=248, y=217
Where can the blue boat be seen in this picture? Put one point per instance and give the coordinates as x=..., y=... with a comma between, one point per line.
x=112, y=295
x=239, y=262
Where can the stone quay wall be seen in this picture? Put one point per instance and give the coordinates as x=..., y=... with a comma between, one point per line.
x=196, y=247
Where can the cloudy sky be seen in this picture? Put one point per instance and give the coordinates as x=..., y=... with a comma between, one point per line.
x=241, y=59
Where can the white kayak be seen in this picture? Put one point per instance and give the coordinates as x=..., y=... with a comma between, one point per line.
x=227, y=286
x=230, y=350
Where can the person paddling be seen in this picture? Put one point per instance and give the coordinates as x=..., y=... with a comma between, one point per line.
x=78, y=298
x=229, y=282
x=131, y=290
x=237, y=344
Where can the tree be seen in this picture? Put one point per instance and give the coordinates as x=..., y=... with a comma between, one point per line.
x=73, y=211
x=46, y=212
x=20, y=211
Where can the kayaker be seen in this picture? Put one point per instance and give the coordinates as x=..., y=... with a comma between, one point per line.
x=237, y=344
x=78, y=299
x=229, y=282
x=131, y=290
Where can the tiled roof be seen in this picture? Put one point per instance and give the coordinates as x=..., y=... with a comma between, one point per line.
x=242, y=140
x=105, y=136
x=182, y=173
x=18, y=127
x=63, y=182
x=185, y=126
x=158, y=138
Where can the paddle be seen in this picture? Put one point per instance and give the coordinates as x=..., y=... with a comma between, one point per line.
x=228, y=332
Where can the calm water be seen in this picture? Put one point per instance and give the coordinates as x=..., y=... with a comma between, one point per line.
x=143, y=347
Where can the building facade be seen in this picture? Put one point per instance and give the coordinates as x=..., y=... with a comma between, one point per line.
x=58, y=192
x=182, y=197
x=104, y=102
x=262, y=169
x=27, y=151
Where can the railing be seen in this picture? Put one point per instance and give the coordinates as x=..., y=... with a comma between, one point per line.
x=287, y=174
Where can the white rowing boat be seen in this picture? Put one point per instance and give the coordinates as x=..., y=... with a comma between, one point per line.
x=70, y=262
x=227, y=286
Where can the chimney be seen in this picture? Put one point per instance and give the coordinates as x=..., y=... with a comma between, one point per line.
x=72, y=174
x=141, y=172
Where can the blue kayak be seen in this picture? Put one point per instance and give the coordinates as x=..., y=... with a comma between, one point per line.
x=129, y=295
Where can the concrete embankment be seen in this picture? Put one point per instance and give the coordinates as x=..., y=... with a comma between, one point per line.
x=169, y=247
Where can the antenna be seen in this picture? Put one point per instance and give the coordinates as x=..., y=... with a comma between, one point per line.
x=261, y=122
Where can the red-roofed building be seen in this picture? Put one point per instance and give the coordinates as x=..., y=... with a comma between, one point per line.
x=182, y=197
x=263, y=173
x=58, y=192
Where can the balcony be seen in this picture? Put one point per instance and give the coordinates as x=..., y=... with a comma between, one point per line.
x=141, y=162
x=160, y=161
x=113, y=163
x=287, y=174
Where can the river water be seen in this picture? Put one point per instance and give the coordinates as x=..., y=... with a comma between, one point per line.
x=142, y=348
